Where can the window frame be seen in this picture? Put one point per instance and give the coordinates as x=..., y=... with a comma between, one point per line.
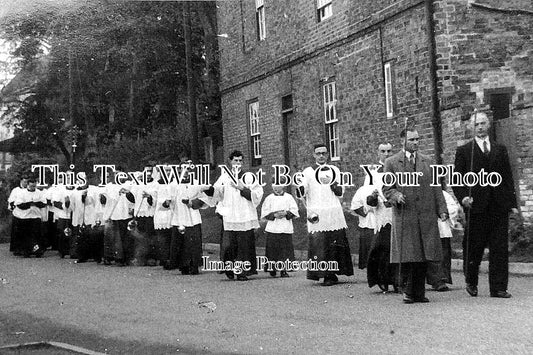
x=260, y=19
x=331, y=121
x=324, y=9
x=254, y=132
x=388, y=83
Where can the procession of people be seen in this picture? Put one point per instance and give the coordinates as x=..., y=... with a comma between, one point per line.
x=404, y=230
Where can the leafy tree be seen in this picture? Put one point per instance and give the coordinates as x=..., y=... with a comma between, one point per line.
x=115, y=70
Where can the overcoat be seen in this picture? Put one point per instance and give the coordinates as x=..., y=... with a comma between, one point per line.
x=419, y=232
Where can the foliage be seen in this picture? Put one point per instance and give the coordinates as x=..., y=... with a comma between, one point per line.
x=162, y=146
x=114, y=69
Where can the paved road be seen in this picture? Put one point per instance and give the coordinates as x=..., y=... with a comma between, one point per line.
x=133, y=310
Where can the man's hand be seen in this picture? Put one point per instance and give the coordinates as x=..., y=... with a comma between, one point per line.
x=467, y=202
x=443, y=216
x=400, y=198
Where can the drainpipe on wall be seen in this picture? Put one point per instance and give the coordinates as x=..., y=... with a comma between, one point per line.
x=435, y=109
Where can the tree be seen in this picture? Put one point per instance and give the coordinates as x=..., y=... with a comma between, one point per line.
x=114, y=69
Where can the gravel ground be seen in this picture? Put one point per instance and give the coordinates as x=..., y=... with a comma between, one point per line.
x=143, y=310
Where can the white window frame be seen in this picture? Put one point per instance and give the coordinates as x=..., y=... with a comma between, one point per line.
x=329, y=97
x=253, y=113
x=261, y=22
x=389, y=98
x=324, y=9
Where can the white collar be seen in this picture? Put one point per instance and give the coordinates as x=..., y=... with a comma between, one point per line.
x=480, y=141
x=408, y=154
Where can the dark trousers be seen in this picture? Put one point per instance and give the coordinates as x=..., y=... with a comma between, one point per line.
x=379, y=269
x=439, y=272
x=414, y=279
x=119, y=245
x=240, y=246
x=63, y=242
x=14, y=245
x=365, y=241
x=488, y=230
x=163, y=237
x=29, y=237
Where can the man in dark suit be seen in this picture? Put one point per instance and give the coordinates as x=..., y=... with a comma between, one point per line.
x=489, y=208
x=415, y=233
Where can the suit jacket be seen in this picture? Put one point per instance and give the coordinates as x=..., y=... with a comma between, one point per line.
x=501, y=198
x=420, y=239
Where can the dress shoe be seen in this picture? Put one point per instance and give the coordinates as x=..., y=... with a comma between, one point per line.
x=273, y=273
x=284, y=274
x=441, y=288
x=422, y=300
x=330, y=280
x=328, y=283
x=472, y=290
x=230, y=275
x=408, y=299
x=242, y=278
x=501, y=294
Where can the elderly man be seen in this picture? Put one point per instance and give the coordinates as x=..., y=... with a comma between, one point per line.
x=415, y=234
x=326, y=224
x=488, y=222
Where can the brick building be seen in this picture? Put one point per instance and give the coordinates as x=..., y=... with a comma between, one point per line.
x=348, y=73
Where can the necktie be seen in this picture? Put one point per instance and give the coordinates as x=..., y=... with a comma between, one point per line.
x=485, y=148
x=412, y=160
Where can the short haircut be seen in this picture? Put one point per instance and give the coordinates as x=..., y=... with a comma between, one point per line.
x=319, y=145
x=405, y=130
x=235, y=153
x=385, y=143
x=32, y=180
x=476, y=115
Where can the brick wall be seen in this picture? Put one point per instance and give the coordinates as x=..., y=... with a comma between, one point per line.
x=292, y=32
x=482, y=48
x=356, y=67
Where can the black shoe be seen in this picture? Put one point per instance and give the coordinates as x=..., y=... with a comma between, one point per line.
x=383, y=287
x=230, y=275
x=81, y=261
x=500, y=294
x=472, y=290
x=441, y=288
x=194, y=271
x=273, y=273
x=408, y=299
x=284, y=274
x=422, y=300
x=330, y=280
x=242, y=278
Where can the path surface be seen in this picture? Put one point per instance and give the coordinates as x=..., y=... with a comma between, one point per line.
x=134, y=310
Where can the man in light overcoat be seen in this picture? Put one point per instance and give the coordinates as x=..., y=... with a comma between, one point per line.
x=415, y=234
